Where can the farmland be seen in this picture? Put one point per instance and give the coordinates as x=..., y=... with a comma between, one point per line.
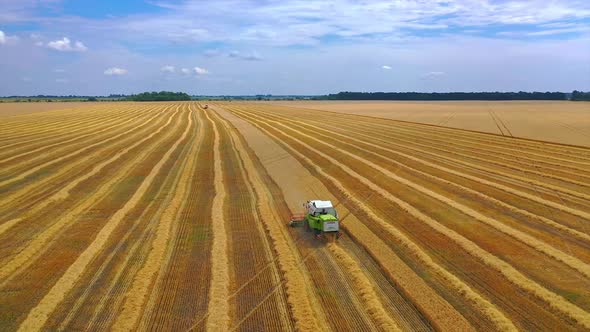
x=554, y=121
x=169, y=216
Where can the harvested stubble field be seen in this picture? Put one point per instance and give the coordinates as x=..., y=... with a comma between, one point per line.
x=168, y=216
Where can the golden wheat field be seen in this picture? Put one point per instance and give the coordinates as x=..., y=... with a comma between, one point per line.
x=554, y=121
x=173, y=217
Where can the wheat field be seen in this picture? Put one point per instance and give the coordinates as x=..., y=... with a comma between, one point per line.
x=170, y=216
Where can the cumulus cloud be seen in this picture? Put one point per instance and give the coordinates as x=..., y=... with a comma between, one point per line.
x=200, y=71
x=433, y=74
x=386, y=67
x=114, y=71
x=185, y=71
x=65, y=45
x=5, y=39
x=168, y=69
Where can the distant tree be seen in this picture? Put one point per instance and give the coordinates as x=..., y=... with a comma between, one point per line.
x=91, y=99
x=580, y=96
x=160, y=96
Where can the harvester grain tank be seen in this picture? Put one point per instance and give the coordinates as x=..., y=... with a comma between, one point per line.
x=320, y=217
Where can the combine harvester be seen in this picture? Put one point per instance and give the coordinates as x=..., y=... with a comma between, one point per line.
x=321, y=218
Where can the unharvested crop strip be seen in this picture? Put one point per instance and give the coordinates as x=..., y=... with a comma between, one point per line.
x=39, y=314
x=298, y=295
x=218, y=314
x=481, y=304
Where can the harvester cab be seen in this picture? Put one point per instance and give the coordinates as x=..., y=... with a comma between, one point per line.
x=321, y=218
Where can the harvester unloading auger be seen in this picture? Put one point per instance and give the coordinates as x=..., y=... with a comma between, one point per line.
x=321, y=218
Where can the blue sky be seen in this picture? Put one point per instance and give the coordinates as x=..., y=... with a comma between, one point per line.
x=292, y=46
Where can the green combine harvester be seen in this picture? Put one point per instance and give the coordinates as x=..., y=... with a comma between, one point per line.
x=321, y=218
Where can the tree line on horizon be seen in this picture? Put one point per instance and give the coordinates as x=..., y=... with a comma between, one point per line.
x=441, y=96
x=160, y=96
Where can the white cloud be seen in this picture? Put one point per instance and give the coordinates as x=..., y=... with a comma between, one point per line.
x=58, y=70
x=5, y=39
x=115, y=71
x=65, y=45
x=61, y=80
x=200, y=71
x=185, y=71
x=168, y=69
x=386, y=67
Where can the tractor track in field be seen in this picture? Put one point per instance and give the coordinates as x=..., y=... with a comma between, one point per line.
x=513, y=276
